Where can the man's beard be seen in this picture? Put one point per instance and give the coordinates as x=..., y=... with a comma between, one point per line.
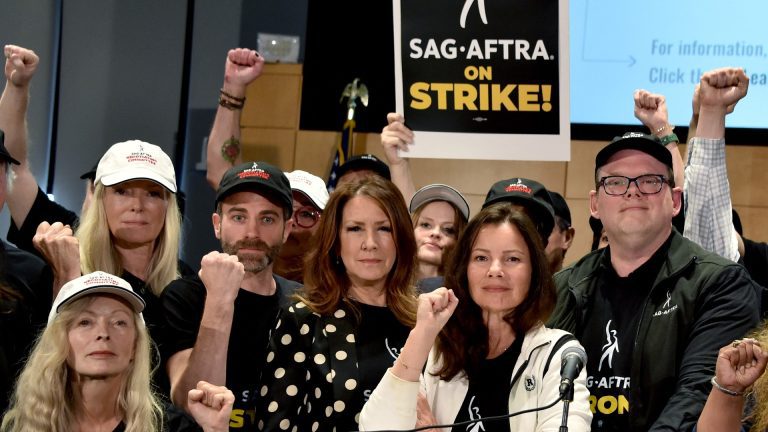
x=251, y=263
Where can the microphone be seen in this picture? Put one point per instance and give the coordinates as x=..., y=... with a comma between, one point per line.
x=573, y=360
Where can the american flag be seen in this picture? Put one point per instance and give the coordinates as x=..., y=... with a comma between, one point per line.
x=343, y=148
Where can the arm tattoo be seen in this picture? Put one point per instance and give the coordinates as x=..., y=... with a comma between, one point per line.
x=230, y=150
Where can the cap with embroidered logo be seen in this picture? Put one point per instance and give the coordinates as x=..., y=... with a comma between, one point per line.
x=528, y=193
x=309, y=185
x=257, y=177
x=135, y=160
x=95, y=283
x=648, y=144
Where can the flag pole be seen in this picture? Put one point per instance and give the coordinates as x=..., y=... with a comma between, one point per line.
x=345, y=146
x=352, y=92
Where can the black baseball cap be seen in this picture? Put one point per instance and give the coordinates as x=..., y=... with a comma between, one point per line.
x=530, y=194
x=560, y=206
x=597, y=230
x=365, y=162
x=4, y=152
x=257, y=177
x=648, y=144
x=90, y=174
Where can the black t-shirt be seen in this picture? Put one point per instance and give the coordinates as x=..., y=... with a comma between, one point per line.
x=756, y=263
x=429, y=284
x=756, y=260
x=488, y=392
x=254, y=317
x=23, y=313
x=154, y=318
x=174, y=420
x=610, y=330
x=43, y=210
x=379, y=339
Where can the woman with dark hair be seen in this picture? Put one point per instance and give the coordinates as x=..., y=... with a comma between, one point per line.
x=494, y=357
x=331, y=347
x=439, y=214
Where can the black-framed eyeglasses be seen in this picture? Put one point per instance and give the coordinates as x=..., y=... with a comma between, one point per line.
x=647, y=184
x=306, y=217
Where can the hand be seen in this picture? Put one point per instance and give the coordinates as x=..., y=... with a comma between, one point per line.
x=720, y=88
x=242, y=67
x=395, y=136
x=60, y=248
x=424, y=416
x=738, y=367
x=651, y=109
x=435, y=308
x=211, y=406
x=20, y=65
x=222, y=274
x=697, y=105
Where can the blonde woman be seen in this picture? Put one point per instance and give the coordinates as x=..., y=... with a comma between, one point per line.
x=132, y=226
x=90, y=368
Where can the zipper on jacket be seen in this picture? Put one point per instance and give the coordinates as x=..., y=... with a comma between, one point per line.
x=632, y=401
x=519, y=372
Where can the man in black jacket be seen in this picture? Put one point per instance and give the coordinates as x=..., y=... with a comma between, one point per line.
x=653, y=308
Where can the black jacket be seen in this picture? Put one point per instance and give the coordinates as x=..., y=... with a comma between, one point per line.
x=23, y=314
x=711, y=302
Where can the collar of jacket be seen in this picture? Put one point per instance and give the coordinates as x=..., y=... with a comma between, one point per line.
x=679, y=258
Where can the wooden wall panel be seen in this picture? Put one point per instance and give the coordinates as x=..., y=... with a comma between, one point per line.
x=753, y=220
x=274, y=99
x=275, y=146
x=313, y=151
x=581, y=168
x=748, y=175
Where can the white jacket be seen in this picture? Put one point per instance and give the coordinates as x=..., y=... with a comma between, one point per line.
x=393, y=404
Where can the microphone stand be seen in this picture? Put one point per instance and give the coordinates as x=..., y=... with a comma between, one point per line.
x=567, y=397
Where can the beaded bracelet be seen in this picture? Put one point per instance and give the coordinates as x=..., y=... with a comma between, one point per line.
x=729, y=392
x=230, y=105
x=231, y=96
x=659, y=130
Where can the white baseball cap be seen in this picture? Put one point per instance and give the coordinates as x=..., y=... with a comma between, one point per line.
x=439, y=192
x=132, y=160
x=310, y=185
x=96, y=283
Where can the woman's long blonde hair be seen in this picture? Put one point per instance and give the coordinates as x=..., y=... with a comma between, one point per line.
x=759, y=416
x=43, y=398
x=97, y=250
